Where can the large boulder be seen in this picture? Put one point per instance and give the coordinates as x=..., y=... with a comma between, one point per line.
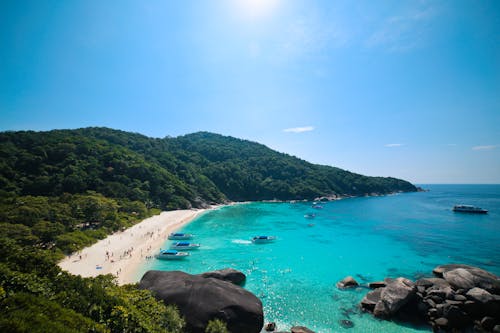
x=226, y=274
x=467, y=277
x=201, y=299
x=396, y=294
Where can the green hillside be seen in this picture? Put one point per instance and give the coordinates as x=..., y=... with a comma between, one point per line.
x=169, y=173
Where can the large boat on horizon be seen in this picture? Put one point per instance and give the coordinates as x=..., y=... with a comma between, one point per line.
x=469, y=209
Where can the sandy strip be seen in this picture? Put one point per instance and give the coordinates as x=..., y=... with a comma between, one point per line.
x=122, y=253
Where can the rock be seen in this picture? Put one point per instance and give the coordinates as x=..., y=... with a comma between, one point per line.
x=345, y=323
x=496, y=329
x=396, y=294
x=347, y=282
x=442, y=322
x=459, y=278
x=480, y=278
x=487, y=323
x=270, y=327
x=461, y=298
x=226, y=274
x=479, y=295
x=201, y=299
x=439, y=270
x=371, y=299
x=377, y=284
x=301, y=329
x=456, y=317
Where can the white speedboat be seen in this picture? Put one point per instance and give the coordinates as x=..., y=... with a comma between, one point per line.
x=179, y=236
x=184, y=246
x=310, y=216
x=171, y=255
x=263, y=239
x=469, y=209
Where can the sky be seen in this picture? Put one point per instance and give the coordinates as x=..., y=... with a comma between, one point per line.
x=409, y=89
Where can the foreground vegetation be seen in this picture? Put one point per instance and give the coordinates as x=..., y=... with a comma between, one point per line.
x=63, y=190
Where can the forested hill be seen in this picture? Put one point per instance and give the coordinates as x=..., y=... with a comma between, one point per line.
x=169, y=173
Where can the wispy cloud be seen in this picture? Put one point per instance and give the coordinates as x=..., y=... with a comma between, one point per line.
x=299, y=129
x=391, y=145
x=404, y=32
x=487, y=147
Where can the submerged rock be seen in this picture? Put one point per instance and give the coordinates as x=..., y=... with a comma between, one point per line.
x=301, y=329
x=345, y=323
x=201, y=299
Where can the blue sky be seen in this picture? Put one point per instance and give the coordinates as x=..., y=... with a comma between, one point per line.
x=409, y=89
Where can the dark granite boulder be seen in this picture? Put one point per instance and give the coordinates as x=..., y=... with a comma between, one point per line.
x=396, y=294
x=347, y=282
x=201, y=299
x=467, y=277
x=371, y=299
x=226, y=274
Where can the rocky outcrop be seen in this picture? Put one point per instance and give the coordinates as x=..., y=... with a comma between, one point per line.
x=347, y=282
x=386, y=301
x=460, y=296
x=200, y=299
x=227, y=274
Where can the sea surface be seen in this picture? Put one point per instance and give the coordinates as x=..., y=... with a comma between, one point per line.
x=369, y=238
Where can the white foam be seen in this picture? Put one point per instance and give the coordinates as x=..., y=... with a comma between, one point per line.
x=241, y=241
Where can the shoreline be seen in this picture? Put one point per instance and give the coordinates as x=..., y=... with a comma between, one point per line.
x=122, y=253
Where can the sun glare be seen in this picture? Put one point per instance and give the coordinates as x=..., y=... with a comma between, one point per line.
x=256, y=9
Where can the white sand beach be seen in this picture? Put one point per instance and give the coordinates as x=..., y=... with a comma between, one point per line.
x=122, y=253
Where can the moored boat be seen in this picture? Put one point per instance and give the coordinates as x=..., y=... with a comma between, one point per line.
x=180, y=236
x=171, y=255
x=310, y=216
x=469, y=209
x=263, y=239
x=184, y=246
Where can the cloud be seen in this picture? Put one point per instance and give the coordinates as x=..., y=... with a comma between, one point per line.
x=391, y=145
x=404, y=32
x=299, y=129
x=487, y=147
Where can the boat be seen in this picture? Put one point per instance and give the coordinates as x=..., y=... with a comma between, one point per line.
x=263, y=239
x=310, y=216
x=317, y=206
x=184, y=246
x=179, y=236
x=171, y=255
x=469, y=209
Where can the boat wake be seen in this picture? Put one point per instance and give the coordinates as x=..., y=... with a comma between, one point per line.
x=241, y=241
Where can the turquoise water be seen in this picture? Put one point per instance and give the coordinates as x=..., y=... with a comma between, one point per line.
x=369, y=238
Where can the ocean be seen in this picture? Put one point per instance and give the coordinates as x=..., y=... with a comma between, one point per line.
x=369, y=238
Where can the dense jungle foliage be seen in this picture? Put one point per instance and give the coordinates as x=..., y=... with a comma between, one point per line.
x=63, y=190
